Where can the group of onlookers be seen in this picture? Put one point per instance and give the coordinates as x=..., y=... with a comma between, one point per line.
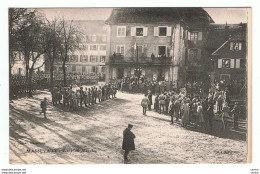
x=195, y=110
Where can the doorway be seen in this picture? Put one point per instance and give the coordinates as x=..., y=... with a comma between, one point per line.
x=120, y=73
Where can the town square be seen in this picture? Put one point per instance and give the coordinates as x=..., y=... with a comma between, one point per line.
x=142, y=86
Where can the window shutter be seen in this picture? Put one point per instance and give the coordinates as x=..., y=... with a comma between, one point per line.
x=155, y=51
x=145, y=31
x=133, y=31
x=168, y=51
x=237, y=63
x=156, y=31
x=169, y=31
x=199, y=35
x=231, y=45
x=232, y=63
x=240, y=46
x=188, y=35
x=219, y=63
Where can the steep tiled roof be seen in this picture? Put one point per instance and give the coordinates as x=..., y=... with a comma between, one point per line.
x=220, y=33
x=159, y=15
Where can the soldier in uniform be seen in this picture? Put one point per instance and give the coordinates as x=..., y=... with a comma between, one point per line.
x=99, y=94
x=103, y=93
x=90, y=96
x=81, y=94
x=86, y=99
x=161, y=102
x=44, y=107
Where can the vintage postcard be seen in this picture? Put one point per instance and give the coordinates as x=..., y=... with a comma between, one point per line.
x=168, y=85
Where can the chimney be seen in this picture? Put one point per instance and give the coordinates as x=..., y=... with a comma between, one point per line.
x=227, y=35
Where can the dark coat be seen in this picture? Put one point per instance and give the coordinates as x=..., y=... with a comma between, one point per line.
x=128, y=140
x=150, y=97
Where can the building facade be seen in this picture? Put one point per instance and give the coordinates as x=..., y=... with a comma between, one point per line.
x=166, y=43
x=19, y=67
x=229, y=58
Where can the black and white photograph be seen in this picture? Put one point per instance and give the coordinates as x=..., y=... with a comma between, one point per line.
x=129, y=85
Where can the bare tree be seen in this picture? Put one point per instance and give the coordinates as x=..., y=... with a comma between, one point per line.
x=32, y=43
x=53, y=44
x=70, y=40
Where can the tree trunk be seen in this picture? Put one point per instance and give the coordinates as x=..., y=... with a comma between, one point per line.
x=64, y=73
x=30, y=83
x=51, y=75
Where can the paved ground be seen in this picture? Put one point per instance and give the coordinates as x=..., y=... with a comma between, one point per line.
x=94, y=135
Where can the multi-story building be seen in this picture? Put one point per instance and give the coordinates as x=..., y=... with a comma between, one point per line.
x=19, y=67
x=228, y=46
x=167, y=43
x=91, y=56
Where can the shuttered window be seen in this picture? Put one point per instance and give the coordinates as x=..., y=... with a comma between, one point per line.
x=232, y=63
x=237, y=63
x=162, y=31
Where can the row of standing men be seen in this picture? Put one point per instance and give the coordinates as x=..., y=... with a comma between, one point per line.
x=73, y=99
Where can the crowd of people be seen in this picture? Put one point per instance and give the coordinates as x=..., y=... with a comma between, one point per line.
x=73, y=98
x=194, y=109
x=19, y=84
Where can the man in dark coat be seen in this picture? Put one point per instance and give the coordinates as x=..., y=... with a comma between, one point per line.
x=128, y=141
x=150, y=97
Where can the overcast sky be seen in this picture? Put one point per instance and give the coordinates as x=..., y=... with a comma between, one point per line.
x=219, y=15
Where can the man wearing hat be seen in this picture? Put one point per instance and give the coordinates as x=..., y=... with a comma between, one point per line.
x=128, y=141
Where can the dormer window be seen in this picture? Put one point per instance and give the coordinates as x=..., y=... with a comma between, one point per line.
x=235, y=46
x=194, y=36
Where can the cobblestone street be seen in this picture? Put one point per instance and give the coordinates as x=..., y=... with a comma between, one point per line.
x=97, y=132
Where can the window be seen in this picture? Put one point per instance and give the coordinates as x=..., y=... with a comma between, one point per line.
x=73, y=58
x=102, y=58
x=20, y=71
x=104, y=38
x=73, y=68
x=121, y=31
x=236, y=46
x=225, y=63
x=94, y=38
x=103, y=47
x=162, y=31
x=93, y=58
x=93, y=47
x=140, y=51
x=83, y=58
x=194, y=36
x=162, y=51
x=120, y=49
x=93, y=69
x=139, y=31
x=83, y=69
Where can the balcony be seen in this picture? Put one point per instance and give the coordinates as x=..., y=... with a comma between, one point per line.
x=120, y=59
